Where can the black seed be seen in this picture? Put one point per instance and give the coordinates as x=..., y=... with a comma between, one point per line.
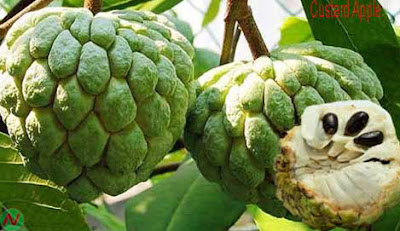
x=356, y=123
x=378, y=160
x=330, y=123
x=370, y=139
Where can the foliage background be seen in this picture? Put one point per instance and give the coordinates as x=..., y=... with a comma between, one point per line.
x=269, y=14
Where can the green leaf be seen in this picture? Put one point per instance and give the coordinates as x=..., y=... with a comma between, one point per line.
x=73, y=3
x=172, y=158
x=44, y=205
x=295, y=30
x=185, y=201
x=159, y=178
x=212, y=12
x=104, y=217
x=157, y=6
x=5, y=141
x=204, y=60
x=121, y=5
x=266, y=222
x=397, y=30
x=374, y=40
x=7, y=5
x=389, y=221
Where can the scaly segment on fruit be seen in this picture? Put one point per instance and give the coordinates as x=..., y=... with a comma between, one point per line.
x=346, y=178
x=243, y=109
x=95, y=102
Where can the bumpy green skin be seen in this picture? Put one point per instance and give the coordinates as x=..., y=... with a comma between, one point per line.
x=243, y=109
x=94, y=103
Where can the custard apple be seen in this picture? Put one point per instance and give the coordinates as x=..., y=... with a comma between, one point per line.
x=341, y=166
x=243, y=109
x=93, y=103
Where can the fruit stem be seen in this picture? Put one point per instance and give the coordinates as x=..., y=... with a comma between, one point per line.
x=36, y=5
x=253, y=35
x=238, y=11
x=236, y=38
x=93, y=5
x=228, y=42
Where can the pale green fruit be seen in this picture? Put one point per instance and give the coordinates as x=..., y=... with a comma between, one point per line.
x=333, y=179
x=243, y=109
x=95, y=102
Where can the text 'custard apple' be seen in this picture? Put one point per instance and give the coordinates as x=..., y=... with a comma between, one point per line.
x=341, y=167
x=94, y=102
x=243, y=109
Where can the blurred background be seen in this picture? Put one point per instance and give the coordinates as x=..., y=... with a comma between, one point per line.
x=269, y=15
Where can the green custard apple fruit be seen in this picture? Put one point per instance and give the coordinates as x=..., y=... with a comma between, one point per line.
x=243, y=109
x=95, y=102
x=341, y=166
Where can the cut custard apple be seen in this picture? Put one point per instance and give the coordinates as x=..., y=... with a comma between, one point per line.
x=341, y=166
